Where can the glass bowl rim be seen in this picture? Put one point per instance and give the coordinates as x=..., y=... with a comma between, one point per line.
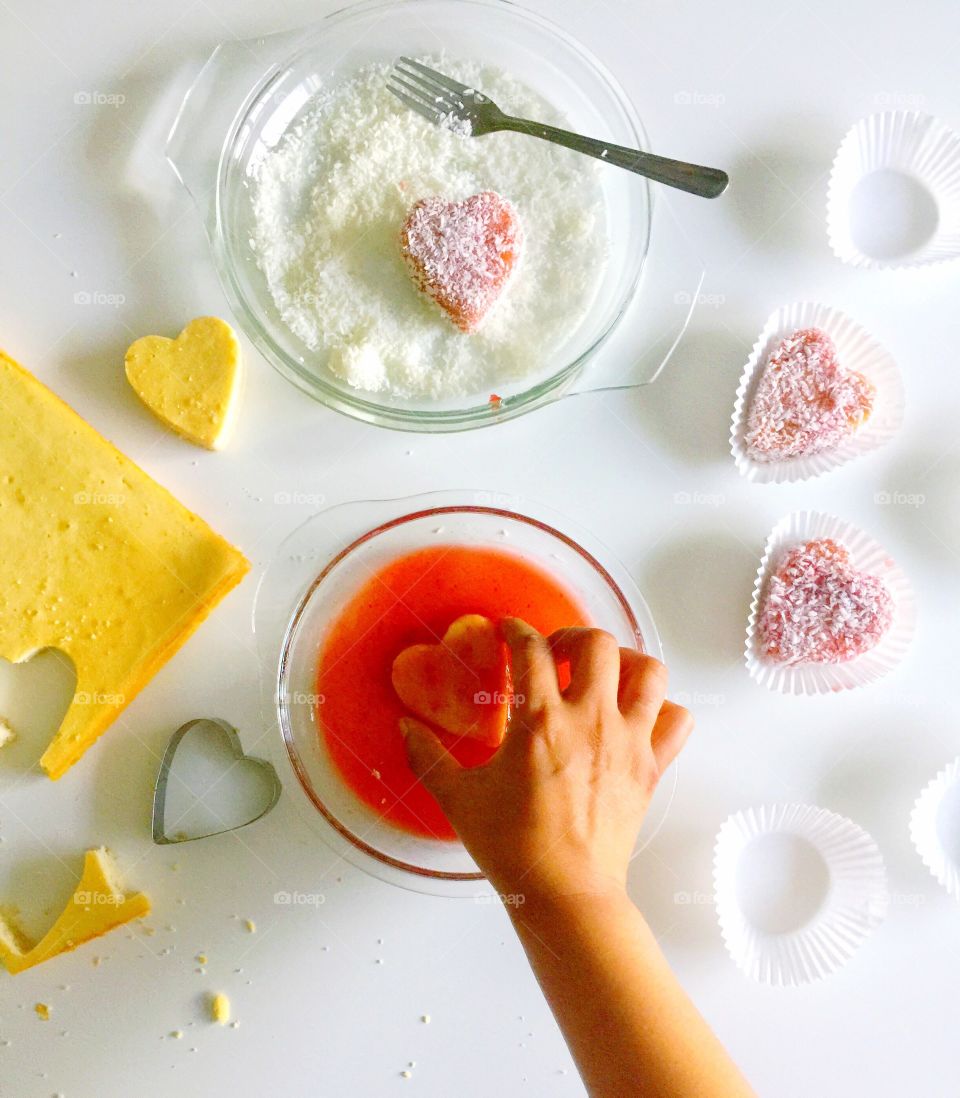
x=289, y=637
x=355, y=405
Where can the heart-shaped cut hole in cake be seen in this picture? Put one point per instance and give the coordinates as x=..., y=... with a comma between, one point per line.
x=462, y=254
x=190, y=383
x=805, y=401
x=818, y=608
x=462, y=684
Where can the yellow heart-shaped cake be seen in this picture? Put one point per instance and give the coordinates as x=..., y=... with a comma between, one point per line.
x=191, y=383
x=462, y=684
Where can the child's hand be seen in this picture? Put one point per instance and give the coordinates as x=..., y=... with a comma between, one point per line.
x=557, y=810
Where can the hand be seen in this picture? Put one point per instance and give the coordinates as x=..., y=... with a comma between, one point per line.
x=557, y=809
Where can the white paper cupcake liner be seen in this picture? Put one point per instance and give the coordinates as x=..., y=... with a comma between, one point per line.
x=857, y=350
x=940, y=798
x=851, y=879
x=912, y=144
x=866, y=555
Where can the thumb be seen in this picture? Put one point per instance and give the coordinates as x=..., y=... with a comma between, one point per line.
x=430, y=761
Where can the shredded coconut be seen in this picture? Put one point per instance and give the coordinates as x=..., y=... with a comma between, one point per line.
x=819, y=609
x=462, y=127
x=329, y=199
x=805, y=401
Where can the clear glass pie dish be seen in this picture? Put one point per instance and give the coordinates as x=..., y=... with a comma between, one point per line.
x=316, y=571
x=250, y=94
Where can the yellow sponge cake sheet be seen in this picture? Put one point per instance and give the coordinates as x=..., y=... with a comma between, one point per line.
x=96, y=559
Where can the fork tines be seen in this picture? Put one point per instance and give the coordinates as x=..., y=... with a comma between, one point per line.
x=429, y=93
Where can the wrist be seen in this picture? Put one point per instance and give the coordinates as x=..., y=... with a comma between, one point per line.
x=565, y=901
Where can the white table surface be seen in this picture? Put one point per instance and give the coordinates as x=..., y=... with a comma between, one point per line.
x=768, y=90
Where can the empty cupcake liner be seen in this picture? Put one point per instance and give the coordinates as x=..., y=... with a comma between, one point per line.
x=858, y=351
x=913, y=145
x=866, y=555
x=927, y=827
x=841, y=872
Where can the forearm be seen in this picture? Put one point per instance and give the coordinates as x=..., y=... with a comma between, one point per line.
x=627, y=1021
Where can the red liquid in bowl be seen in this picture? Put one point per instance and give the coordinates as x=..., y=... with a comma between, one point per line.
x=412, y=601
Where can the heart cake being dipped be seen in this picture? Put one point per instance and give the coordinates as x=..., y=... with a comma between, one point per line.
x=461, y=684
x=419, y=637
x=805, y=401
x=462, y=254
x=818, y=608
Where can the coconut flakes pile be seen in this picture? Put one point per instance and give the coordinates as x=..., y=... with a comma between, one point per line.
x=805, y=401
x=819, y=609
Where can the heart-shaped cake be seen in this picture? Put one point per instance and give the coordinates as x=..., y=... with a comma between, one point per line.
x=462, y=254
x=190, y=383
x=805, y=401
x=818, y=608
x=462, y=684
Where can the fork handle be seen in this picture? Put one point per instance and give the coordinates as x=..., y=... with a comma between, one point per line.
x=706, y=182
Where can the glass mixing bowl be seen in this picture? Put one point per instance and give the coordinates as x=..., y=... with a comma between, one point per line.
x=250, y=94
x=356, y=831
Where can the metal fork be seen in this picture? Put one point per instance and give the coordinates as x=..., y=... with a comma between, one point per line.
x=469, y=112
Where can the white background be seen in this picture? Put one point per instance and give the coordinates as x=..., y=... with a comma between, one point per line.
x=766, y=89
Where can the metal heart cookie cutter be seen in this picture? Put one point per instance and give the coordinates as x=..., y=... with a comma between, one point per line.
x=212, y=733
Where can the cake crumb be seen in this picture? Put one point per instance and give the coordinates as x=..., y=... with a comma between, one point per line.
x=43, y=1012
x=220, y=1009
x=177, y=1034
x=7, y=734
x=425, y=1018
x=250, y=926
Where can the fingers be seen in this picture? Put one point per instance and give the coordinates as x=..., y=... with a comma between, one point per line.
x=594, y=661
x=643, y=686
x=429, y=759
x=670, y=733
x=533, y=671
